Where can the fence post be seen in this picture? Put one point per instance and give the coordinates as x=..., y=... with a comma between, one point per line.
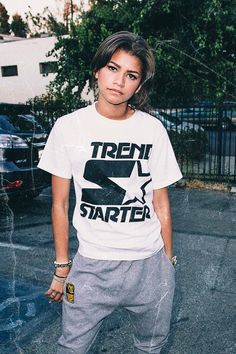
x=220, y=135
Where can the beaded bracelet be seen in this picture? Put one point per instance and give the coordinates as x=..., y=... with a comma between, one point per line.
x=63, y=265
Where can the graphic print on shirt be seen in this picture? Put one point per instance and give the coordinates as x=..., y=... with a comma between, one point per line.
x=118, y=184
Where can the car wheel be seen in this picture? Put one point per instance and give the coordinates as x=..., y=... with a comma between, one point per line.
x=27, y=196
x=32, y=194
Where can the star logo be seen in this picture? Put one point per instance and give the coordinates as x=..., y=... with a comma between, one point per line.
x=134, y=185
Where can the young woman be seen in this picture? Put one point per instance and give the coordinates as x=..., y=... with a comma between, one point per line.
x=121, y=162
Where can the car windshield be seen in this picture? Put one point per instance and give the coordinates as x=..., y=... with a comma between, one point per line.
x=14, y=123
x=171, y=119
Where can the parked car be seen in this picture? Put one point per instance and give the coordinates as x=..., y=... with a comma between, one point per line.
x=22, y=140
x=173, y=123
x=189, y=140
x=208, y=115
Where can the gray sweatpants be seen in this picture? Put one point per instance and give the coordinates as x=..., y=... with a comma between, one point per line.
x=94, y=288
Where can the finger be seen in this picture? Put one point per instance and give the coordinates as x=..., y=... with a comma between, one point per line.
x=53, y=294
x=48, y=294
x=61, y=298
x=53, y=297
x=49, y=291
x=58, y=297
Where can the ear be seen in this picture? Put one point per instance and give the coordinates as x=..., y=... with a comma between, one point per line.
x=96, y=74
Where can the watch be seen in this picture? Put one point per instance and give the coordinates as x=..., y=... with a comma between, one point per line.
x=174, y=260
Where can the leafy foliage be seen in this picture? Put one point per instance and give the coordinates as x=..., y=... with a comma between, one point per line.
x=70, y=9
x=4, y=17
x=18, y=26
x=193, y=43
x=44, y=23
x=194, y=54
x=190, y=145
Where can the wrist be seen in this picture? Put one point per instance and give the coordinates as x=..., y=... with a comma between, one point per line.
x=62, y=259
x=172, y=258
x=169, y=253
x=66, y=264
x=61, y=271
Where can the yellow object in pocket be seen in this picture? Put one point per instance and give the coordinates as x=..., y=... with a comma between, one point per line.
x=70, y=291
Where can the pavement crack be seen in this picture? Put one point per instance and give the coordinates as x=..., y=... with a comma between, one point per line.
x=214, y=287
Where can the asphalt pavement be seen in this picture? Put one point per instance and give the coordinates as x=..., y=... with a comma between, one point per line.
x=204, y=313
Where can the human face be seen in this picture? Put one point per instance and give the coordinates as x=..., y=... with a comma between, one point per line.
x=119, y=79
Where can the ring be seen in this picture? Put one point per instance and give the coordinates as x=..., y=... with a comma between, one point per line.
x=53, y=293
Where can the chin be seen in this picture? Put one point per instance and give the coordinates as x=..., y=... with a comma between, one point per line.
x=117, y=102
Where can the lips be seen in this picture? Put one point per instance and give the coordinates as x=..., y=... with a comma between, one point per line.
x=116, y=91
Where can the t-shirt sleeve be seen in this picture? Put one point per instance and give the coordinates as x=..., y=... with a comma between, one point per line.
x=163, y=165
x=55, y=158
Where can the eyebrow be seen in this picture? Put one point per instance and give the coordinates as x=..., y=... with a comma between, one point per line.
x=129, y=71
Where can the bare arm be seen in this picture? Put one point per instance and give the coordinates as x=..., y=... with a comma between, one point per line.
x=60, y=223
x=162, y=208
x=60, y=206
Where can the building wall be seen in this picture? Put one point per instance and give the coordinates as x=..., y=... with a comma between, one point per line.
x=26, y=54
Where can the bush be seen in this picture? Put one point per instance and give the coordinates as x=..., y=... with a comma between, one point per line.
x=189, y=144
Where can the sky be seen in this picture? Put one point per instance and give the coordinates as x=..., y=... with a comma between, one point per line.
x=21, y=6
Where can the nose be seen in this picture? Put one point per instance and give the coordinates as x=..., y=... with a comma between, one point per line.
x=120, y=80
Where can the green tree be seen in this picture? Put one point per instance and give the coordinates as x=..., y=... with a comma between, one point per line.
x=75, y=52
x=4, y=17
x=18, y=26
x=70, y=9
x=193, y=43
x=45, y=23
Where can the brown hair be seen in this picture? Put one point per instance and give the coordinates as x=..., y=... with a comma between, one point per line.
x=136, y=46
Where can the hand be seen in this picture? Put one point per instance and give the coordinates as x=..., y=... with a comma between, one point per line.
x=55, y=292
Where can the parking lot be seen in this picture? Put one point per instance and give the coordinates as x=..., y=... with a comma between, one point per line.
x=204, y=311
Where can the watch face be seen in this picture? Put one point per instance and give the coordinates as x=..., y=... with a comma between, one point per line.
x=174, y=261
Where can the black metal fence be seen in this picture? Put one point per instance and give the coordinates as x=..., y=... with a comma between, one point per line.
x=203, y=138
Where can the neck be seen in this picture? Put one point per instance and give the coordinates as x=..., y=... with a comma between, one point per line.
x=118, y=112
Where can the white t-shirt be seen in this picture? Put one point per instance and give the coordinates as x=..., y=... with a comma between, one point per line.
x=115, y=165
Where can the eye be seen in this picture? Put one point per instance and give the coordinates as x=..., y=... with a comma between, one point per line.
x=132, y=77
x=111, y=67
